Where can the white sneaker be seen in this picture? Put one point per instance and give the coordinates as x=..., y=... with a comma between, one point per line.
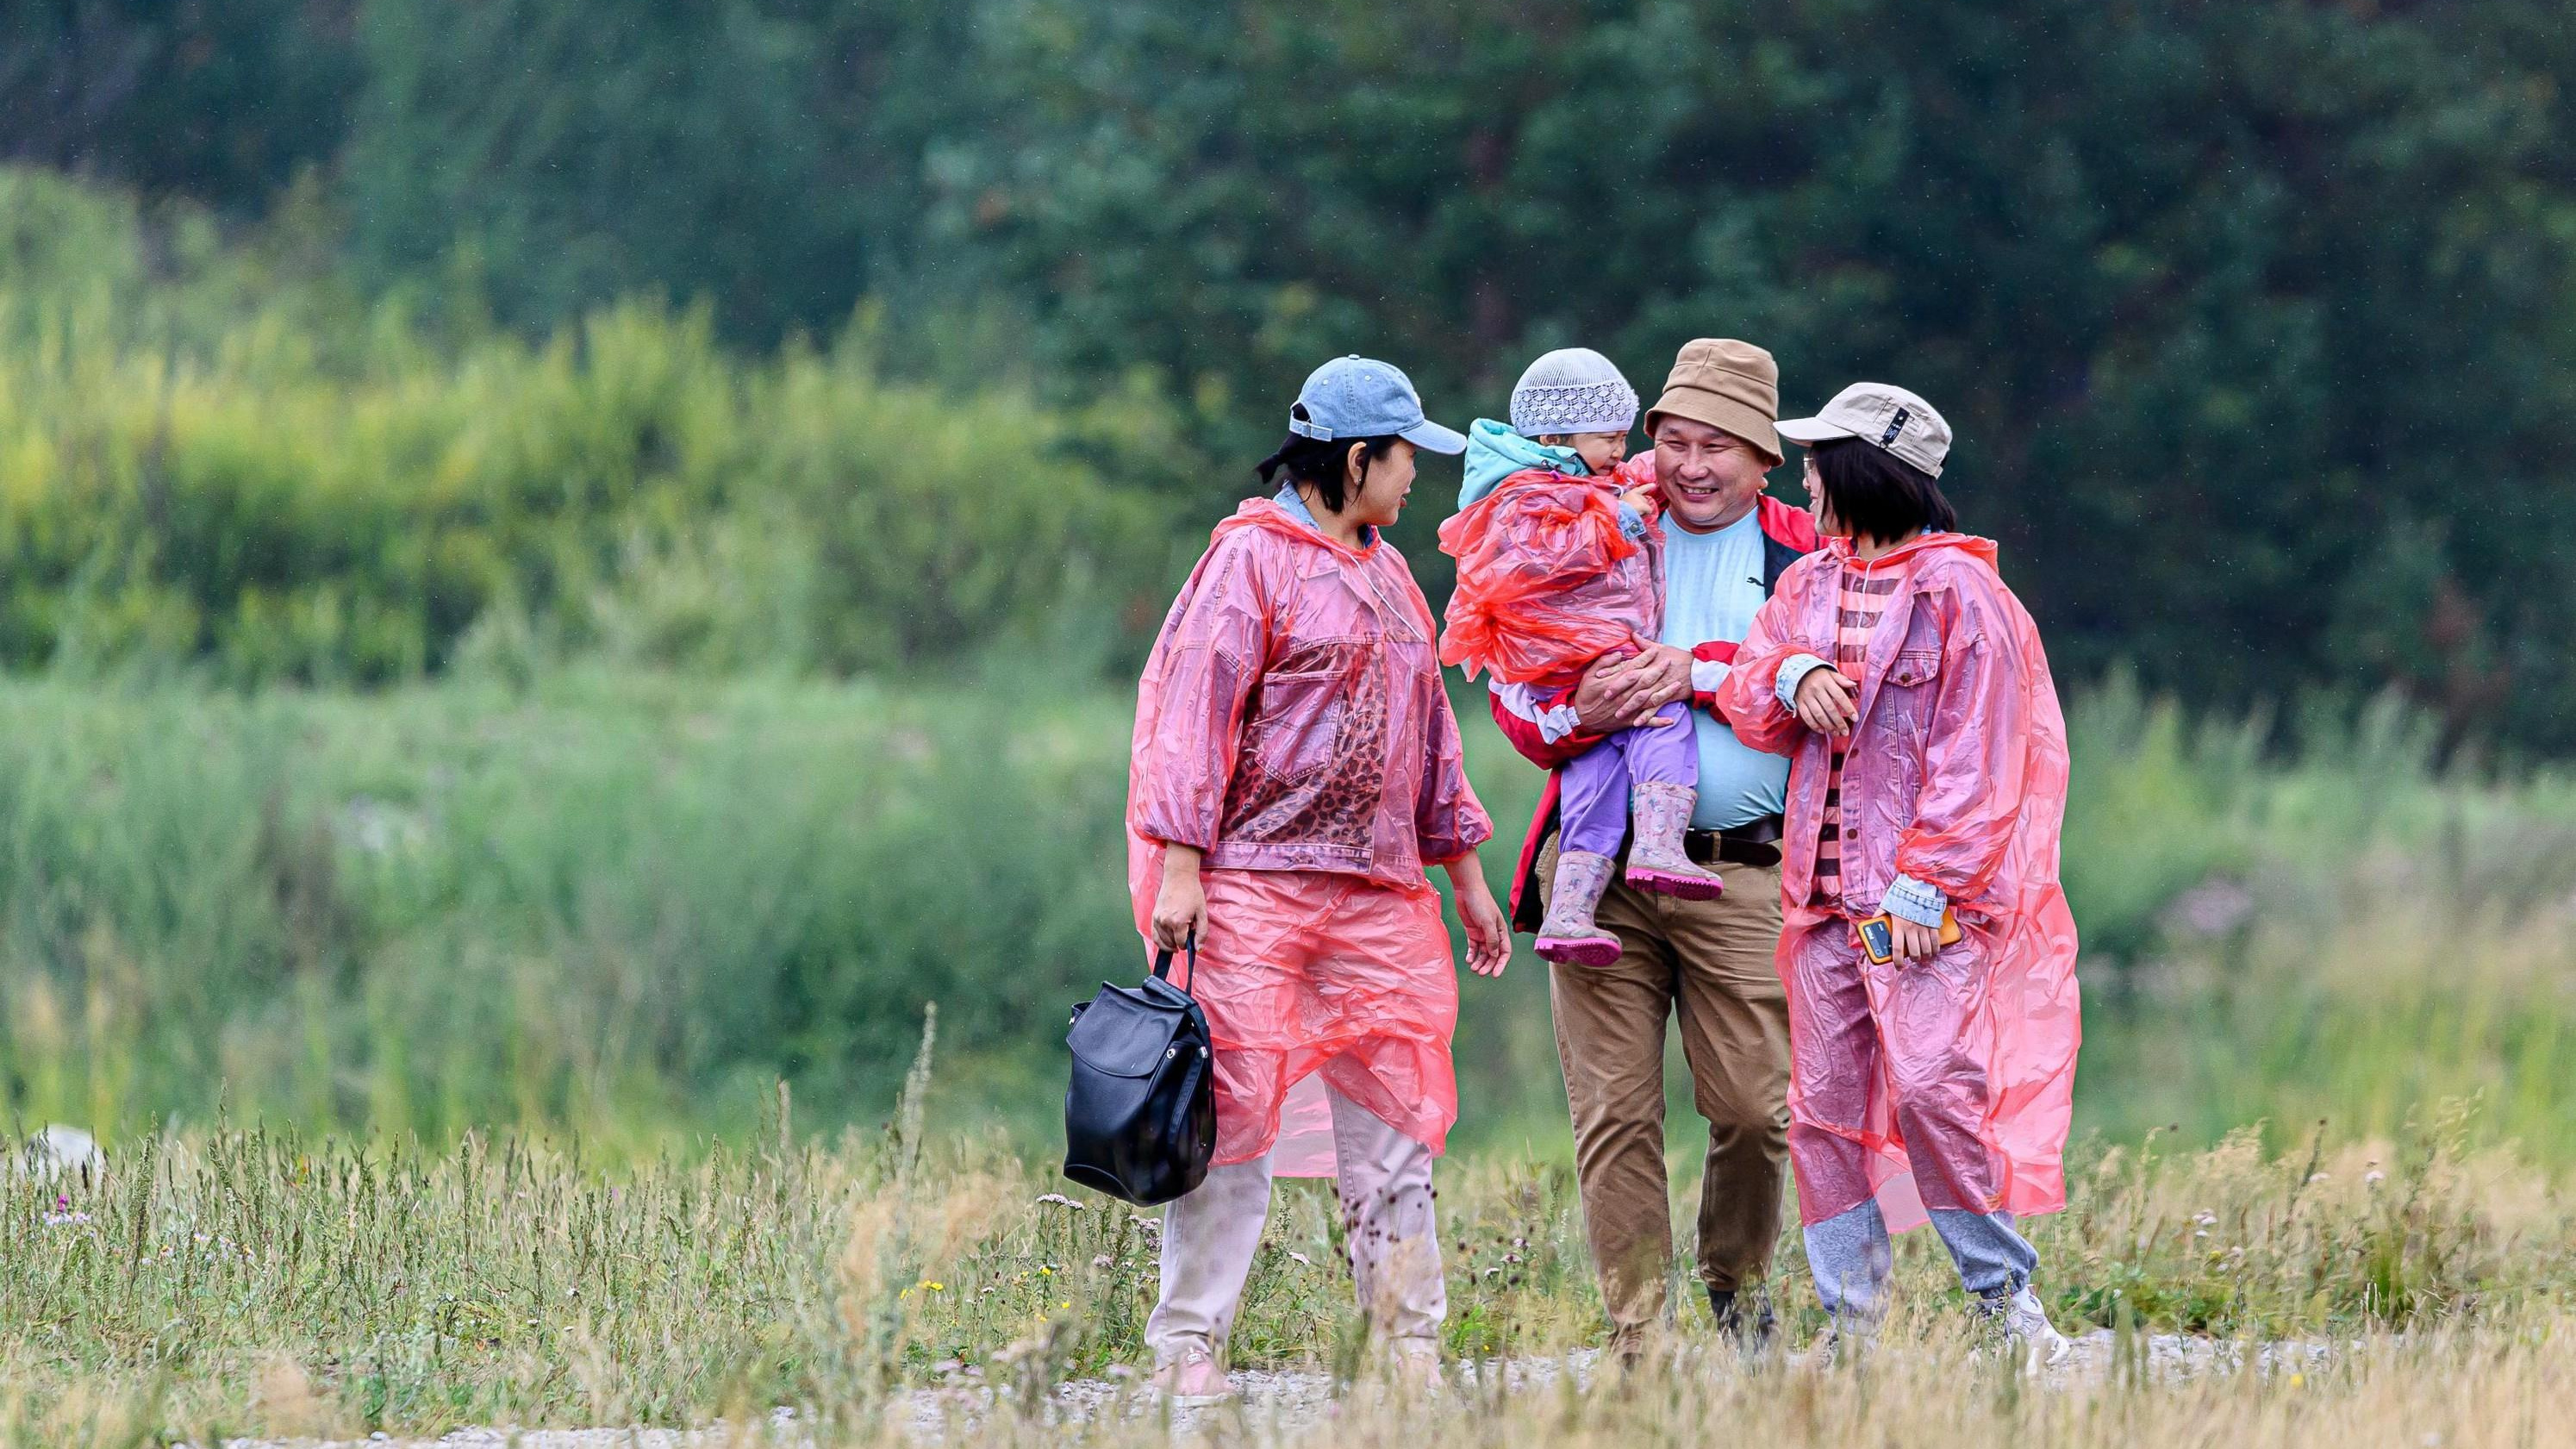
x=2025, y=1324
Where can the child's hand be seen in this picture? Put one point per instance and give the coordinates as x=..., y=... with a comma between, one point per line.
x=1644, y=498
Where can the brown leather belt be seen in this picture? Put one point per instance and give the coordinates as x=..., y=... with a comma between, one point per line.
x=1753, y=843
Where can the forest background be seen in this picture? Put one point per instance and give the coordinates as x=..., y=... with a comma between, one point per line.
x=566, y=560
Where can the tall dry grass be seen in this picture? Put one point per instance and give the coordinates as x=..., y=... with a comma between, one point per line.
x=229, y=1282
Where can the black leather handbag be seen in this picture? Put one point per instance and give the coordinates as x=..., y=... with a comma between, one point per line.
x=1140, y=1114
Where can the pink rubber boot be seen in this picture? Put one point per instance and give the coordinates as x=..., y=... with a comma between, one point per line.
x=1656, y=861
x=1568, y=934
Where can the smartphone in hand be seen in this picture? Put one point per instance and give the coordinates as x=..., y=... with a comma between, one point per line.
x=1878, y=938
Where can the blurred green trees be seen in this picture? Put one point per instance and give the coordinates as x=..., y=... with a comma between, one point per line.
x=2257, y=321
x=187, y=474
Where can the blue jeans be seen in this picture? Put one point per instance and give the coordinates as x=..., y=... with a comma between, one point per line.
x=1850, y=1256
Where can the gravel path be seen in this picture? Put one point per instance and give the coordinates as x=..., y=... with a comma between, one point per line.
x=1280, y=1400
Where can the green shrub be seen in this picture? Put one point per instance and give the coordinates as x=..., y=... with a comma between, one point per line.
x=188, y=477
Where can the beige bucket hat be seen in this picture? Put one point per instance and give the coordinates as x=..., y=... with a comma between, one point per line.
x=1729, y=385
x=1883, y=416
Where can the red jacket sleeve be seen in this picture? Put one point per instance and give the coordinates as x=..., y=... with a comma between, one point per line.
x=1715, y=651
x=1533, y=745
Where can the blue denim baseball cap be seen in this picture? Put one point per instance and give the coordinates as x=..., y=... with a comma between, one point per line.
x=1361, y=397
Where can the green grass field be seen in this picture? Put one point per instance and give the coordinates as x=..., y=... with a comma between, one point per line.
x=437, y=1040
x=626, y=904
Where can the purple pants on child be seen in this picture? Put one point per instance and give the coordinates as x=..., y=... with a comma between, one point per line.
x=1592, y=799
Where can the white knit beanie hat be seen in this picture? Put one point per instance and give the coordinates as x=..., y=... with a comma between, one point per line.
x=1572, y=390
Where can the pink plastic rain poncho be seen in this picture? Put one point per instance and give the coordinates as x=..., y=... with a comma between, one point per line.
x=1946, y=1083
x=1291, y=723
x=1547, y=582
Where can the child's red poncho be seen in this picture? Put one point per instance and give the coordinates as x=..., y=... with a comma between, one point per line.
x=1547, y=582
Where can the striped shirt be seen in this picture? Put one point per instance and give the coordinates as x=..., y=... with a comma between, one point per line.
x=1862, y=600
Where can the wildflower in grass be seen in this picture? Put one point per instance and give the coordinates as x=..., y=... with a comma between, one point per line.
x=1057, y=1199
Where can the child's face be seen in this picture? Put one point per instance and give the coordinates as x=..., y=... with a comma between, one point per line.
x=1600, y=452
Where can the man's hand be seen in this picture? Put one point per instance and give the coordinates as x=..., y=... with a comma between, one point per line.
x=1618, y=693
x=1180, y=904
x=1911, y=941
x=1828, y=703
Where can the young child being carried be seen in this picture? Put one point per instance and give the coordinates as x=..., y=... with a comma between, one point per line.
x=1560, y=564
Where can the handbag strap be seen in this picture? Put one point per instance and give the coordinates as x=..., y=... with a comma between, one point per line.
x=1163, y=962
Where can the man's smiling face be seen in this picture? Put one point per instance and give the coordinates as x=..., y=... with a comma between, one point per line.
x=1710, y=477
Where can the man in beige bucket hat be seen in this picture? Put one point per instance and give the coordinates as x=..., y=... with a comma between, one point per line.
x=1708, y=963
x=1730, y=385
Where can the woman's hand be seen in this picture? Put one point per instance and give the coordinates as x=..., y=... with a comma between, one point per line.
x=1620, y=693
x=1828, y=703
x=1489, y=936
x=1911, y=940
x=1180, y=904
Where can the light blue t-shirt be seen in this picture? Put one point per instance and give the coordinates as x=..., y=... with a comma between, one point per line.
x=1712, y=588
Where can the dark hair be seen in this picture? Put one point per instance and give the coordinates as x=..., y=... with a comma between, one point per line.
x=1877, y=494
x=1308, y=460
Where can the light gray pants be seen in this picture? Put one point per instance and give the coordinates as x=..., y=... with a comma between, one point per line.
x=1850, y=1256
x=1209, y=1236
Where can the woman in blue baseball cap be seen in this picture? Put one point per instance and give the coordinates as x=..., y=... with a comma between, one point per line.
x=1295, y=770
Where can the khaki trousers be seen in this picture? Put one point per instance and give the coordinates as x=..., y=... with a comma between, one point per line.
x=1712, y=965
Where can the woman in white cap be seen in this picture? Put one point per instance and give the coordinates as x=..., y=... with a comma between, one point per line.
x=1295, y=768
x=1928, y=952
